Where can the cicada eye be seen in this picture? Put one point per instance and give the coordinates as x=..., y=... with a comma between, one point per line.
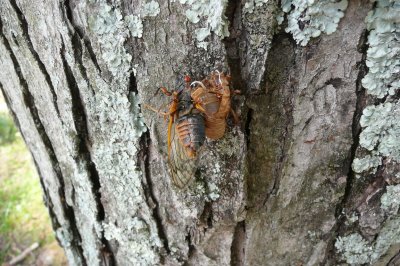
x=187, y=78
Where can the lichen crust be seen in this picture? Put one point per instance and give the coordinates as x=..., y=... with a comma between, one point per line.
x=213, y=12
x=383, y=54
x=308, y=18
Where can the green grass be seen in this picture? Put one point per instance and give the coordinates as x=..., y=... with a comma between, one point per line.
x=23, y=217
x=7, y=129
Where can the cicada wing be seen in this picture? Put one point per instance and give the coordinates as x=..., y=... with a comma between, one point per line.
x=182, y=168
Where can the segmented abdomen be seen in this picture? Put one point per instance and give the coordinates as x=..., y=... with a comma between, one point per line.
x=191, y=132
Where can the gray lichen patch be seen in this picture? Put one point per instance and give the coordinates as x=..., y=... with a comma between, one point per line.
x=380, y=135
x=142, y=232
x=381, y=130
x=251, y=4
x=115, y=154
x=112, y=33
x=379, y=222
x=118, y=125
x=390, y=201
x=135, y=25
x=383, y=55
x=354, y=249
x=368, y=162
x=308, y=18
x=213, y=13
x=150, y=9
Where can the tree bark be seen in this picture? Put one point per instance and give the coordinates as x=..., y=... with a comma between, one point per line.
x=278, y=189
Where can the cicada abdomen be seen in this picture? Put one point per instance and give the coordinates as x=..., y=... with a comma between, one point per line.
x=186, y=135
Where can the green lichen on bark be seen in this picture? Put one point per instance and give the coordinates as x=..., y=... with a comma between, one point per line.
x=213, y=14
x=379, y=140
x=308, y=18
x=381, y=130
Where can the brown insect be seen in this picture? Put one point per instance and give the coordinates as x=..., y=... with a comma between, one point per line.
x=197, y=110
x=186, y=133
x=212, y=96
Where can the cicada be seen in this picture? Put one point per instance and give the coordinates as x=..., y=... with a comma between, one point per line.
x=212, y=96
x=186, y=133
x=198, y=110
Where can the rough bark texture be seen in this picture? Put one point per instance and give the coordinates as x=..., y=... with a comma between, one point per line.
x=278, y=189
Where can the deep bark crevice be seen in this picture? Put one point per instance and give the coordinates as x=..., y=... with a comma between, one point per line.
x=81, y=34
x=192, y=249
x=29, y=102
x=76, y=42
x=247, y=129
x=83, y=144
x=356, y=130
x=144, y=154
x=233, y=13
x=25, y=32
x=238, y=244
x=206, y=217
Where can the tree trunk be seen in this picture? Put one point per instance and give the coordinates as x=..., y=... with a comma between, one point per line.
x=309, y=177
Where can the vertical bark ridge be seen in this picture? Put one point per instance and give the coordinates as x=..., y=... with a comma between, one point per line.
x=29, y=102
x=356, y=130
x=83, y=154
x=144, y=158
x=287, y=91
x=42, y=67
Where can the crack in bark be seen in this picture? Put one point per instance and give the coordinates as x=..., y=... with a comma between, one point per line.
x=206, y=217
x=356, y=130
x=238, y=244
x=144, y=158
x=191, y=250
x=76, y=32
x=233, y=13
x=75, y=41
x=25, y=32
x=232, y=46
x=144, y=154
x=83, y=150
x=29, y=102
x=247, y=129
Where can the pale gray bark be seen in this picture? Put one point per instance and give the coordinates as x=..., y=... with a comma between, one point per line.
x=273, y=191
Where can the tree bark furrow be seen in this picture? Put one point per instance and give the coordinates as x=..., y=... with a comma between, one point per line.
x=356, y=130
x=152, y=201
x=81, y=33
x=277, y=190
x=238, y=244
x=83, y=155
x=42, y=67
x=76, y=38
